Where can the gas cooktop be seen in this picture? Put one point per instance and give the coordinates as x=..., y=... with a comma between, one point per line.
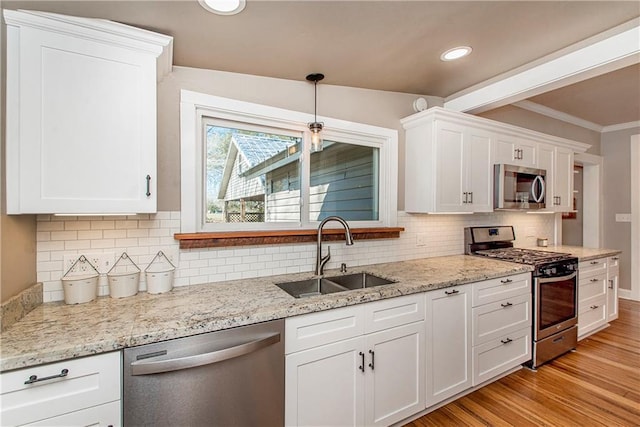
x=523, y=256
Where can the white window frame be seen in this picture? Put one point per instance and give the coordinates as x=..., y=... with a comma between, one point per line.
x=196, y=107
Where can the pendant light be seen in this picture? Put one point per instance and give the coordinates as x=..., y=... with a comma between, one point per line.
x=315, y=127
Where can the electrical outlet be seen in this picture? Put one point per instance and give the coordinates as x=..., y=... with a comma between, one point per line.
x=421, y=239
x=623, y=217
x=101, y=261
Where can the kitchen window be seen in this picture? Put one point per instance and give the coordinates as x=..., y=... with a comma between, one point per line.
x=247, y=166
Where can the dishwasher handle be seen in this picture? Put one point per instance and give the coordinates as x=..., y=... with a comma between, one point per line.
x=148, y=367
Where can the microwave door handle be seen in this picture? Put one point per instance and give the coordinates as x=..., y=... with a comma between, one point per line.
x=556, y=279
x=537, y=198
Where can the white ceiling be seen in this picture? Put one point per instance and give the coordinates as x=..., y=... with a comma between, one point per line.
x=388, y=45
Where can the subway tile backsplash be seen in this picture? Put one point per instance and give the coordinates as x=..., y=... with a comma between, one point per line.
x=142, y=236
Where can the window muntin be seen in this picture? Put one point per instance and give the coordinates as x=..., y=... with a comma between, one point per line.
x=198, y=108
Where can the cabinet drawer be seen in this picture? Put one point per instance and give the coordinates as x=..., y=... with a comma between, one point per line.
x=315, y=329
x=101, y=415
x=592, y=315
x=613, y=262
x=504, y=287
x=501, y=354
x=393, y=312
x=90, y=381
x=593, y=286
x=593, y=267
x=491, y=321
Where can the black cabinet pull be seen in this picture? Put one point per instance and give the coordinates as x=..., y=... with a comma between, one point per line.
x=34, y=378
x=593, y=307
x=507, y=341
x=610, y=283
x=148, y=178
x=507, y=304
x=506, y=281
x=373, y=359
x=361, y=367
x=594, y=280
x=594, y=262
x=455, y=291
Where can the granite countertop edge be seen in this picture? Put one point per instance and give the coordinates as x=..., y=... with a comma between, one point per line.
x=55, y=331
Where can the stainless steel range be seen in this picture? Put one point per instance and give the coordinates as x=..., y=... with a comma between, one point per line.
x=555, y=288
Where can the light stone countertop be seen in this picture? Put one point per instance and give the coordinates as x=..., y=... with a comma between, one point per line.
x=56, y=331
x=583, y=254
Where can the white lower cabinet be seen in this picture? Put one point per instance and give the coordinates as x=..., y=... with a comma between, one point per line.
x=592, y=296
x=79, y=392
x=375, y=377
x=448, y=341
x=613, y=275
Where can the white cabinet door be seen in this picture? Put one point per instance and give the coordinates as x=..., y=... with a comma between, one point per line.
x=448, y=342
x=105, y=415
x=613, y=274
x=450, y=177
x=563, y=180
x=81, y=138
x=325, y=385
x=463, y=161
x=515, y=151
x=395, y=380
x=478, y=167
x=546, y=158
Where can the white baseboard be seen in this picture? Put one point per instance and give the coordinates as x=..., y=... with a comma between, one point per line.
x=626, y=294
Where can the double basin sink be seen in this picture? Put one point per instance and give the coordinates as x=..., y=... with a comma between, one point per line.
x=329, y=285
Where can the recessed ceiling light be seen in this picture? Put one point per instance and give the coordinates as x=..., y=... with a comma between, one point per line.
x=455, y=53
x=223, y=7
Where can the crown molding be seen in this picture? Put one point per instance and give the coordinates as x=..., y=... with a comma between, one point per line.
x=558, y=115
x=621, y=126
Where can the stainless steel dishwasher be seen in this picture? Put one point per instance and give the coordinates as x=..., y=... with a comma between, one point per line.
x=233, y=377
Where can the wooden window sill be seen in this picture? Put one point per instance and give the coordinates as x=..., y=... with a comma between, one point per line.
x=279, y=237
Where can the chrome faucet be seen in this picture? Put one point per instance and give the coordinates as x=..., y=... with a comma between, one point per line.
x=322, y=260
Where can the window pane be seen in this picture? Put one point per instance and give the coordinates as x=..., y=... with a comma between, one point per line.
x=251, y=176
x=344, y=182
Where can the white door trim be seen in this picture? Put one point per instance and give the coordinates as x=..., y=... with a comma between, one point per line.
x=591, y=199
x=634, y=294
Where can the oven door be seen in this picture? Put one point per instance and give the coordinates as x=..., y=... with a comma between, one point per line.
x=556, y=304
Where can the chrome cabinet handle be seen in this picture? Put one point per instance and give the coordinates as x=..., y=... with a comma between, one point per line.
x=507, y=341
x=373, y=359
x=34, y=378
x=361, y=367
x=148, y=178
x=471, y=197
x=506, y=281
x=148, y=366
x=455, y=291
x=466, y=195
x=507, y=304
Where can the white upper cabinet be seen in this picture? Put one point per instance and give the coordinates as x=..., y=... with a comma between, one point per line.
x=450, y=158
x=81, y=114
x=515, y=151
x=453, y=160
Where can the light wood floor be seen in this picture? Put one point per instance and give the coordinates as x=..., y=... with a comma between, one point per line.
x=598, y=385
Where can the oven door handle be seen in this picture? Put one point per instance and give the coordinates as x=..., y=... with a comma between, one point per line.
x=556, y=279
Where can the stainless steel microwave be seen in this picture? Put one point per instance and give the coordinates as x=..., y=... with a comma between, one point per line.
x=519, y=188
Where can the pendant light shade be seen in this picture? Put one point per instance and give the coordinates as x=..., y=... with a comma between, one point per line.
x=315, y=127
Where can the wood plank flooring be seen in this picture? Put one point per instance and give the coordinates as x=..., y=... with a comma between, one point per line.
x=598, y=385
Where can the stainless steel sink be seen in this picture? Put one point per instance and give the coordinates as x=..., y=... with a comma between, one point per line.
x=310, y=287
x=360, y=280
x=329, y=285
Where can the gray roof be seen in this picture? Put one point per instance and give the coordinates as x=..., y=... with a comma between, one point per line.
x=256, y=149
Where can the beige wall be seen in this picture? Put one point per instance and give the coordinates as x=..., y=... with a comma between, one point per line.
x=17, y=233
x=372, y=107
x=615, y=149
x=534, y=121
